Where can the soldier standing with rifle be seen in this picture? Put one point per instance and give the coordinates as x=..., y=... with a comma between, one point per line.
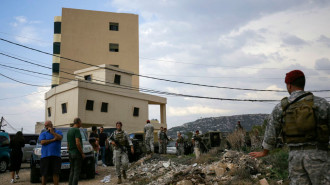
x=120, y=140
x=180, y=144
x=161, y=141
x=149, y=137
x=196, y=140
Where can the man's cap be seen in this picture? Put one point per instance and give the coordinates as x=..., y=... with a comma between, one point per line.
x=197, y=130
x=148, y=121
x=293, y=75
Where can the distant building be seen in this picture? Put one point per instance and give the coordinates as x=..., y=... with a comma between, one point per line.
x=98, y=103
x=96, y=38
x=38, y=127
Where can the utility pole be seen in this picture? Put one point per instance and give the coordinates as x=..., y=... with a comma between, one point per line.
x=1, y=122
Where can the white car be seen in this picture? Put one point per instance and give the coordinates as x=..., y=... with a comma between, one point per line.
x=171, y=148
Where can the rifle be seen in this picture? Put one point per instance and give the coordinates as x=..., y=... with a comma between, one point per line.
x=123, y=148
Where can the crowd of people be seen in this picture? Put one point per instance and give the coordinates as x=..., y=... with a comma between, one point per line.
x=302, y=120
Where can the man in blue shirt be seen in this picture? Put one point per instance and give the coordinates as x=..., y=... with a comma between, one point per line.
x=50, y=162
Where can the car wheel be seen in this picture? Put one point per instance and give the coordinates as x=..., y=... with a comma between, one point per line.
x=34, y=175
x=3, y=165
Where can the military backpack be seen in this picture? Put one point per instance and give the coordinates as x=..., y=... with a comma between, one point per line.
x=300, y=124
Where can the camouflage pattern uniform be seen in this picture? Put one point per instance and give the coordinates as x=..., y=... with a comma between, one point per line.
x=149, y=137
x=120, y=157
x=162, y=140
x=197, y=150
x=180, y=146
x=306, y=165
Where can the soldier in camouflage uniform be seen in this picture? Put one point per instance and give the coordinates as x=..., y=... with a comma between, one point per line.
x=119, y=139
x=180, y=144
x=307, y=138
x=161, y=141
x=149, y=137
x=196, y=142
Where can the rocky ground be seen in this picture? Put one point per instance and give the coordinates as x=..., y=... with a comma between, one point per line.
x=25, y=177
x=229, y=167
x=215, y=167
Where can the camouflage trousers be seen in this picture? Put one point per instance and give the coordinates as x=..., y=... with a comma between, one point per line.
x=162, y=147
x=197, y=152
x=180, y=150
x=120, y=159
x=309, y=167
x=149, y=144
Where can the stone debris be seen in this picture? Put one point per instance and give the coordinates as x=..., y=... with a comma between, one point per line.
x=231, y=166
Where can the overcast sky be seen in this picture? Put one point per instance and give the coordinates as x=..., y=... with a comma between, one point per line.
x=241, y=44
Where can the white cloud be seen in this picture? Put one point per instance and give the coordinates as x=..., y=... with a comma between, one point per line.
x=26, y=31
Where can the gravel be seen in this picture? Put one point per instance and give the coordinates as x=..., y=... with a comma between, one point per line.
x=24, y=174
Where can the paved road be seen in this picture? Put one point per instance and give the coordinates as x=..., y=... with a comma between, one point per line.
x=25, y=177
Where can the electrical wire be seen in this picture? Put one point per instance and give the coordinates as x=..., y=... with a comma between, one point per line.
x=154, y=78
x=153, y=91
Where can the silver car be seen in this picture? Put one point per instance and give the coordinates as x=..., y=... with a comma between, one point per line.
x=171, y=148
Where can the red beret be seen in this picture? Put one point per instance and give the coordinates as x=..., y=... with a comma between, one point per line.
x=293, y=75
x=148, y=121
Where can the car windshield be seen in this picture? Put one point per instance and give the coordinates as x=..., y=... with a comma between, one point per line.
x=65, y=133
x=171, y=144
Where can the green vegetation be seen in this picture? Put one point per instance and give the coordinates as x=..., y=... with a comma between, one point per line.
x=278, y=158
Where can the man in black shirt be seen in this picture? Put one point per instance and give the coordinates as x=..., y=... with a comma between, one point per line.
x=104, y=144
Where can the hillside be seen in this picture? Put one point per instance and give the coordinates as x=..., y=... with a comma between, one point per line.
x=222, y=123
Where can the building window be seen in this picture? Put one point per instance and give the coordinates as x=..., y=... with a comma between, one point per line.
x=56, y=67
x=88, y=77
x=64, y=108
x=113, y=47
x=89, y=105
x=56, y=48
x=136, y=111
x=49, y=112
x=57, y=27
x=104, y=107
x=114, y=26
x=117, y=79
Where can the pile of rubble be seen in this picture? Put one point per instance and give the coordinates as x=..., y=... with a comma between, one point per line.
x=232, y=167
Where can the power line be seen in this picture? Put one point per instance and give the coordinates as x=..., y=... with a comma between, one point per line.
x=22, y=82
x=166, y=93
x=22, y=95
x=154, y=78
x=171, y=61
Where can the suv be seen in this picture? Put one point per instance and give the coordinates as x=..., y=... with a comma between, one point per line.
x=4, y=151
x=88, y=167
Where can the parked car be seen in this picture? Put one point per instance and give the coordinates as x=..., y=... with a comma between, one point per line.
x=4, y=151
x=88, y=166
x=171, y=148
x=30, y=143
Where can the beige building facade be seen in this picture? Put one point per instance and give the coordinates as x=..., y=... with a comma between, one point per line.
x=95, y=38
x=99, y=98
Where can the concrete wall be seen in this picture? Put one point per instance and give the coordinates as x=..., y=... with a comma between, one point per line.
x=121, y=103
x=105, y=76
x=85, y=36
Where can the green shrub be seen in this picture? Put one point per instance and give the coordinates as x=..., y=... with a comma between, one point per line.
x=278, y=158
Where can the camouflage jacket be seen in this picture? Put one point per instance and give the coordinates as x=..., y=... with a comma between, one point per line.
x=149, y=130
x=125, y=136
x=274, y=126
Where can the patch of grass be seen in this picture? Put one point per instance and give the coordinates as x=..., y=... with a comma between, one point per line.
x=278, y=158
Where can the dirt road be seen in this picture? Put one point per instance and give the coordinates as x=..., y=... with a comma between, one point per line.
x=25, y=177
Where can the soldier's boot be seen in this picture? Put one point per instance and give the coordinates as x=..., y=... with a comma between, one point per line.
x=119, y=180
x=124, y=174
